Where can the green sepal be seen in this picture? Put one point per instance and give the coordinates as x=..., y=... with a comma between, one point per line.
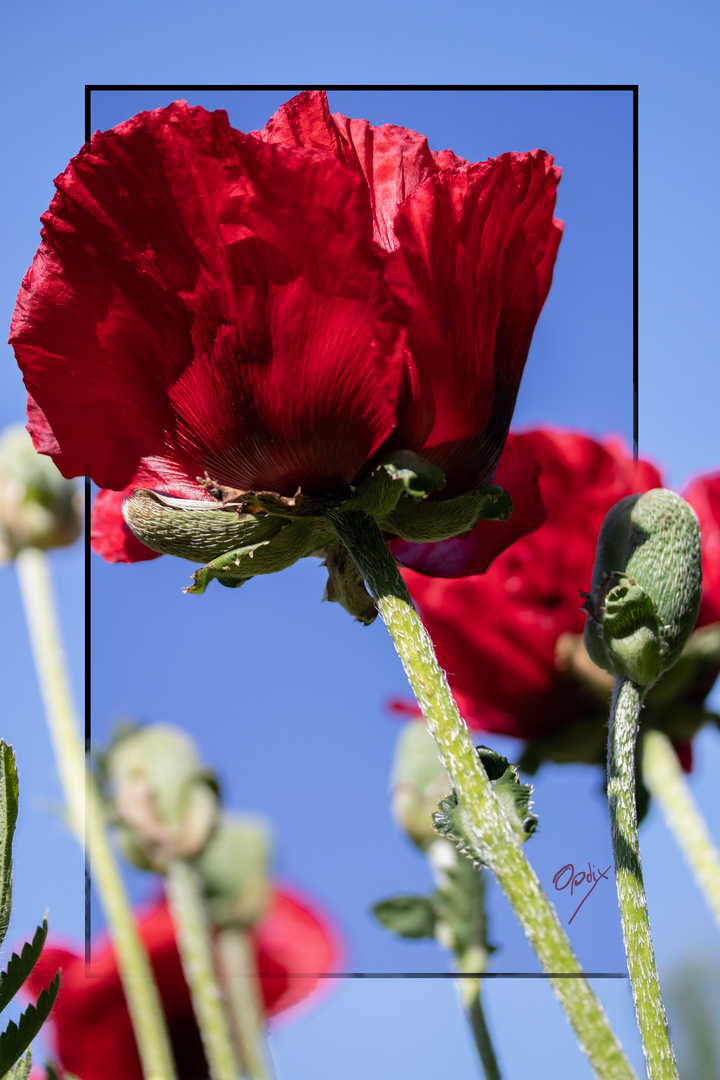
x=431, y=521
x=296, y=540
x=345, y=585
x=194, y=530
x=22, y=1069
x=633, y=632
x=418, y=476
x=452, y=821
x=16, y=1038
x=408, y=916
x=19, y=967
x=8, y=818
x=271, y=502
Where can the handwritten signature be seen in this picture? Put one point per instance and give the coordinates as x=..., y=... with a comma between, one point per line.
x=574, y=880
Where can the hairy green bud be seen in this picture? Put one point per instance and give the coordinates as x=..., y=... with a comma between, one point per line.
x=164, y=800
x=646, y=586
x=419, y=781
x=38, y=507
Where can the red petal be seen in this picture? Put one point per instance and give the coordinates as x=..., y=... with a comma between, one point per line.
x=477, y=249
x=392, y=161
x=473, y=553
x=110, y=536
x=703, y=494
x=92, y=1024
x=496, y=634
x=204, y=302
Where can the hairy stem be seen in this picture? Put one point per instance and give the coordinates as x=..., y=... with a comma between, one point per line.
x=649, y=1009
x=192, y=928
x=462, y=888
x=239, y=970
x=86, y=815
x=667, y=785
x=492, y=831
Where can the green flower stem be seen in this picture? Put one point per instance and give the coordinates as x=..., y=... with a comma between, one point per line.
x=649, y=1009
x=187, y=904
x=666, y=782
x=86, y=816
x=239, y=969
x=492, y=831
x=470, y=996
x=471, y=954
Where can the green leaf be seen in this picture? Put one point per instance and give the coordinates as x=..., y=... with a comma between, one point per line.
x=22, y=1069
x=8, y=817
x=16, y=1038
x=408, y=916
x=19, y=967
x=451, y=821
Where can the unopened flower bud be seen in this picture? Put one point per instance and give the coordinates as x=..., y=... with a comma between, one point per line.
x=235, y=871
x=38, y=507
x=165, y=801
x=419, y=781
x=646, y=586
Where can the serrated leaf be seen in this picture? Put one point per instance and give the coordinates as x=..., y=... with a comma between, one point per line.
x=452, y=822
x=8, y=817
x=16, y=1038
x=19, y=967
x=22, y=1069
x=408, y=916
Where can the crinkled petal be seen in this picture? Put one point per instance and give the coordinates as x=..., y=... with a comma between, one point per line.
x=202, y=301
x=477, y=250
x=473, y=553
x=703, y=494
x=92, y=1025
x=110, y=536
x=392, y=161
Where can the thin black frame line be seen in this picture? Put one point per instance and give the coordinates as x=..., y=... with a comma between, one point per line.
x=221, y=88
x=88, y=91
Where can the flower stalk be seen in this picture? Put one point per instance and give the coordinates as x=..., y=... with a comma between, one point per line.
x=649, y=1009
x=239, y=970
x=471, y=955
x=666, y=783
x=492, y=831
x=86, y=817
x=187, y=904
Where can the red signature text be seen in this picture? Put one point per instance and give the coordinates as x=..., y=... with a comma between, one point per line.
x=566, y=876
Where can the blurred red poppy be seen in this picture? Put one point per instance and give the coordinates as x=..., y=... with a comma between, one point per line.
x=93, y=1033
x=511, y=640
x=279, y=310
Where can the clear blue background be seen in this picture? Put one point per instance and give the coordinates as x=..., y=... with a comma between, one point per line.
x=327, y=737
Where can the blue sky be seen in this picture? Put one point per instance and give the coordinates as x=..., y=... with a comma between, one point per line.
x=333, y=738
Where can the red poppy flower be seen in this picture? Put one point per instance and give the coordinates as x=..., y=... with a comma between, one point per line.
x=282, y=309
x=94, y=1038
x=509, y=639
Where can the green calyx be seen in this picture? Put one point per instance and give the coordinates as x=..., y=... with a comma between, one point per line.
x=646, y=586
x=451, y=820
x=246, y=533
